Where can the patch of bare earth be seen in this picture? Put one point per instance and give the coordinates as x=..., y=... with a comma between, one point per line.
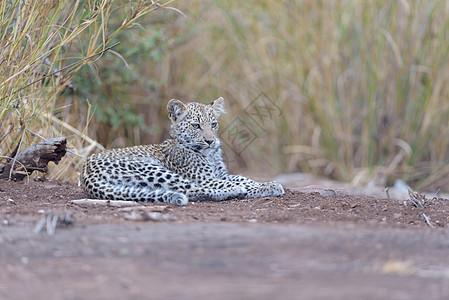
x=301, y=245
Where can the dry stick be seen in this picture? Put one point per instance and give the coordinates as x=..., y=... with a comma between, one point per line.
x=427, y=220
x=437, y=193
x=63, y=69
x=40, y=225
x=414, y=199
x=35, y=158
x=412, y=195
x=116, y=203
x=49, y=227
x=51, y=222
x=70, y=151
x=168, y=7
x=54, y=223
x=18, y=150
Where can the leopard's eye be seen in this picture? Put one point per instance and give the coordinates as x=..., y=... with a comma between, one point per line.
x=196, y=125
x=214, y=124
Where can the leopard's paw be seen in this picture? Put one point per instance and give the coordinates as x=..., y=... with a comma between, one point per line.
x=238, y=192
x=274, y=189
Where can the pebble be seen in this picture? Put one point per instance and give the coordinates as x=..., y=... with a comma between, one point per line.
x=327, y=192
x=24, y=260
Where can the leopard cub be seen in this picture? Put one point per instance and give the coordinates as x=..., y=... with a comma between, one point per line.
x=187, y=167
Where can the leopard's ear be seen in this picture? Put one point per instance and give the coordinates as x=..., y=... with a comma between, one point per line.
x=217, y=106
x=176, y=110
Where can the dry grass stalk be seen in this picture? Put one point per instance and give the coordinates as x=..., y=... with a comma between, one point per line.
x=416, y=198
x=42, y=47
x=428, y=221
x=361, y=83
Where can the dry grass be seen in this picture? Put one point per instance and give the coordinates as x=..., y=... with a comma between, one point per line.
x=43, y=45
x=360, y=84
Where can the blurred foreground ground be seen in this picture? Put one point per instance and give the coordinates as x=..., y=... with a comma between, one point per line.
x=313, y=243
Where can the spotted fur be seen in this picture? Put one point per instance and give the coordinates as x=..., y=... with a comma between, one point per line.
x=187, y=167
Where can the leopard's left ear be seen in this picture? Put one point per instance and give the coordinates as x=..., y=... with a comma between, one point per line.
x=217, y=106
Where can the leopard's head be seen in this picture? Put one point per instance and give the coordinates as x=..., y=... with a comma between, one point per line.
x=194, y=124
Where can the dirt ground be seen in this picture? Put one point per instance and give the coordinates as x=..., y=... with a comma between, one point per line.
x=299, y=246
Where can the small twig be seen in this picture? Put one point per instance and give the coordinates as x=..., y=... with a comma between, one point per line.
x=54, y=222
x=50, y=230
x=437, y=193
x=167, y=7
x=387, y=189
x=115, y=203
x=414, y=198
x=427, y=220
x=40, y=225
x=51, y=222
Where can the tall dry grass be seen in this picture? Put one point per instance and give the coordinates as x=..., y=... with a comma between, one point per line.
x=360, y=85
x=43, y=44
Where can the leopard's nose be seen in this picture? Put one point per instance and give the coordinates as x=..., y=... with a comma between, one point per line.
x=209, y=142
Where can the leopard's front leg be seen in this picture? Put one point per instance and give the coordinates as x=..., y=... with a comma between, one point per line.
x=224, y=190
x=256, y=189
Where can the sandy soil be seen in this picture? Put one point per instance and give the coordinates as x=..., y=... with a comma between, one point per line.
x=301, y=245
